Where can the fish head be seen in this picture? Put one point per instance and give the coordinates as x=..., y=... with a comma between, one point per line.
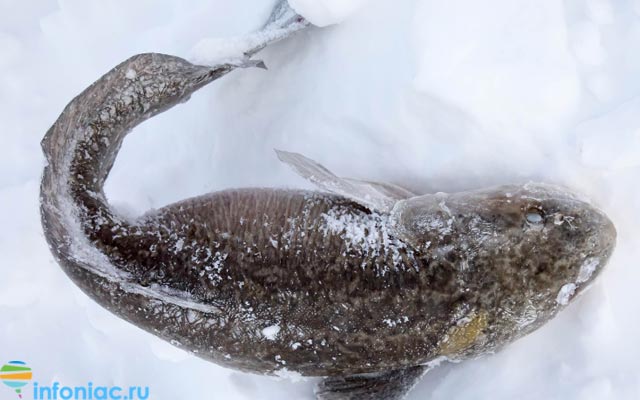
x=533, y=246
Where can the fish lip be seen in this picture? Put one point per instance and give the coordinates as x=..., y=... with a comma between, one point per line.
x=606, y=238
x=613, y=232
x=607, y=233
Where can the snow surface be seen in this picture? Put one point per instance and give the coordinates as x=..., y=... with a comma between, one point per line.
x=326, y=12
x=432, y=95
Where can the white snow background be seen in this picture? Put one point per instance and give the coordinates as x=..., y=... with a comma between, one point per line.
x=434, y=95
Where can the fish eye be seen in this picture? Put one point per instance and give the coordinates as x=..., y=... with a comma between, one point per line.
x=534, y=216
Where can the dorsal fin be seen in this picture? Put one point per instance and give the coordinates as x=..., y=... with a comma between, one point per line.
x=375, y=196
x=390, y=385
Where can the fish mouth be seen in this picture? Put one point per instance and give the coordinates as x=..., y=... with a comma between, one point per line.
x=609, y=233
x=601, y=246
x=604, y=235
x=602, y=243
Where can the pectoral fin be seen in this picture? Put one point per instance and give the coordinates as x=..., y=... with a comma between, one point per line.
x=390, y=385
x=375, y=196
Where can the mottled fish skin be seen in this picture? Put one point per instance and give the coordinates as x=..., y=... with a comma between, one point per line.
x=268, y=280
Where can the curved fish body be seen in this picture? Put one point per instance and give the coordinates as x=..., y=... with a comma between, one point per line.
x=362, y=282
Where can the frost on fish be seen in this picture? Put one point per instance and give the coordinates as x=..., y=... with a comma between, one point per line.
x=565, y=294
x=587, y=269
x=283, y=22
x=586, y=272
x=371, y=235
x=271, y=332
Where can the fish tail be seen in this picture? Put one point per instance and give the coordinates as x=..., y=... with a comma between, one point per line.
x=81, y=146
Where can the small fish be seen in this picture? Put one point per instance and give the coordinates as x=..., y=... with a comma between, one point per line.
x=364, y=283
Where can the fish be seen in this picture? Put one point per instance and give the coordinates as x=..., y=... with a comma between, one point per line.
x=365, y=284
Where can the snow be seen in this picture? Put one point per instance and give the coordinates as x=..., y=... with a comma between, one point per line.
x=271, y=332
x=130, y=74
x=565, y=293
x=587, y=269
x=291, y=376
x=210, y=51
x=326, y=12
x=435, y=96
